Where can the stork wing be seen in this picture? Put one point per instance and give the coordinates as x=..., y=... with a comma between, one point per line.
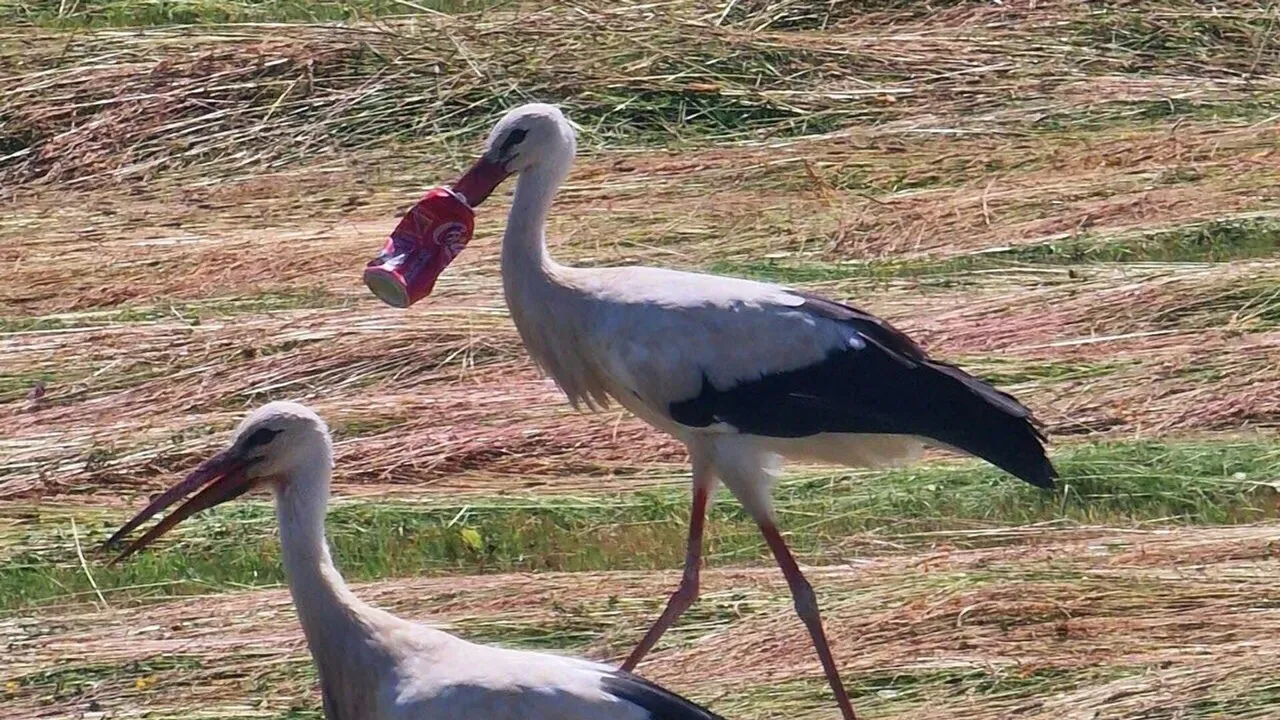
x=879, y=382
x=717, y=354
x=892, y=340
x=660, y=703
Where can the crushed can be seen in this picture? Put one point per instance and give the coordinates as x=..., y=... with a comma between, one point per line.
x=423, y=244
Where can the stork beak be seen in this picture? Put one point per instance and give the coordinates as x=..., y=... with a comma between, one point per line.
x=224, y=478
x=478, y=183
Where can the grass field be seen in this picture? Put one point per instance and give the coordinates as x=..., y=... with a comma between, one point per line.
x=1078, y=201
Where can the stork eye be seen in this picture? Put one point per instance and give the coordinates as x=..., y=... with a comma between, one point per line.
x=514, y=138
x=260, y=437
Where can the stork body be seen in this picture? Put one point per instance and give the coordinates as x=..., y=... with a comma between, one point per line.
x=743, y=373
x=372, y=664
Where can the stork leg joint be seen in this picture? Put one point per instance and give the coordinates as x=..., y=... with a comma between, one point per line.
x=687, y=593
x=688, y=590
x=805, y=600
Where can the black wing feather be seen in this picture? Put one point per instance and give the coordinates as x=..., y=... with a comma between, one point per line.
x=888, y=386
x=661, y=703
x=878, y=331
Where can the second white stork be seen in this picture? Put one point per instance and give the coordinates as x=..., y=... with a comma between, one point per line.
x=372, y=664
x=743, y=373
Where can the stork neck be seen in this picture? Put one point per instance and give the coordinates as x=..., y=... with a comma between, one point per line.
x=326, y=606
x=524, y=247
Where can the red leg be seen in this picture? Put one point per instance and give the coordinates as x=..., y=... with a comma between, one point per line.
x=807, y=609
x=684, y=596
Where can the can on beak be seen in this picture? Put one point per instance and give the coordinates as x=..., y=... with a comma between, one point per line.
x=425, y=241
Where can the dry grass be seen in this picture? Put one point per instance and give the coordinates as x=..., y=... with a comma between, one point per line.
x=881, y=155
x=1060, y=604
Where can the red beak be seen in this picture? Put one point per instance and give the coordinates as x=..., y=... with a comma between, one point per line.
x=477, y=184
x=227, y=473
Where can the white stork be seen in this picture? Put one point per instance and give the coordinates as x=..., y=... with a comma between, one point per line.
x=743, y=373
x=374, y=665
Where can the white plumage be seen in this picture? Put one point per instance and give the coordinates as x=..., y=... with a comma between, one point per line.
x=744, y=373
x=374, y=665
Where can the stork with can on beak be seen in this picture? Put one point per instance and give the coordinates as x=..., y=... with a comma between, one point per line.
x=743, y=373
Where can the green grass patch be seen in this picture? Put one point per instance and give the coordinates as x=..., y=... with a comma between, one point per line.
x=890, y=693
x=14, y=386
x=75, y=681
x=237, y=546
x=239, y=99
x=1004, y=372
x=1251, y=305
x=1219, y=241
x=281, y=682
x=396, y=87
x=760, y=14
x=1137, y=40
x=191, y=312
x=1241, y=698
x=1246, y=107
x=137, y=13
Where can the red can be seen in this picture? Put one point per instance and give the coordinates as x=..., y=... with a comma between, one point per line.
x=427, y=239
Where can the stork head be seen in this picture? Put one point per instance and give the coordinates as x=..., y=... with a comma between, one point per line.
x=531, y=136
x=272, y=447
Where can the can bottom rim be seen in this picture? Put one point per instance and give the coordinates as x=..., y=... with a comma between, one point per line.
x=387, y=286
